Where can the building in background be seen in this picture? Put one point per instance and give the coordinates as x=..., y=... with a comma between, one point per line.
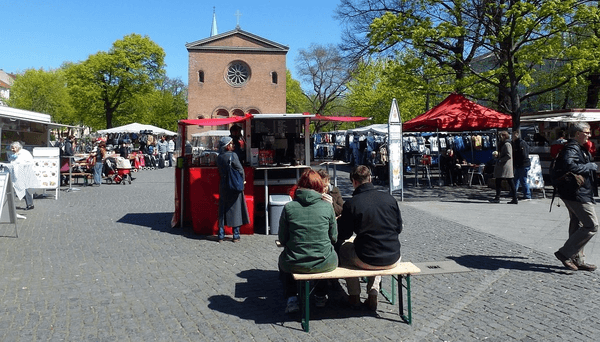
x=6, y=82
x=234, y=73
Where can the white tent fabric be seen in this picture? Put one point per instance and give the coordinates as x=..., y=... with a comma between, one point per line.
x=376, y=128
x=136, y=128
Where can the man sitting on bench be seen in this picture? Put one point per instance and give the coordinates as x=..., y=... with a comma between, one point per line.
x=375, y=218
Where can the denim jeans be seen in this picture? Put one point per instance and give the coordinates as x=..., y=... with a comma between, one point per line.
x=98, y=173
x=28, y=198
x=521, y=178
x=236, y=232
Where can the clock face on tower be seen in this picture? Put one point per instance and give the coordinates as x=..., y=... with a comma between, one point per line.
x=238, y=73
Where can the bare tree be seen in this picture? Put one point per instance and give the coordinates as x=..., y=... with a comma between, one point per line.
x=327, y=72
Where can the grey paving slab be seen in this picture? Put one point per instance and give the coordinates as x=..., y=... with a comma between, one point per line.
x=103, y=264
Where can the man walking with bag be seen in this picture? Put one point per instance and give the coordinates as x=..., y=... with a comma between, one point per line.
x=578, y=197
x=521, y=164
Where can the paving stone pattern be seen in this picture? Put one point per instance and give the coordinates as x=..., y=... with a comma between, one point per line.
x=103, y=264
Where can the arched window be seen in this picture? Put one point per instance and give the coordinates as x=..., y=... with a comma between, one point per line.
x=201, y=76
x=222, y=113
x=274, y=77
x=238, y=112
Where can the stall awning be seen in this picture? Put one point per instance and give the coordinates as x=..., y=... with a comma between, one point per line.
x=319, y=117
x=216, y=122
x=566, y=115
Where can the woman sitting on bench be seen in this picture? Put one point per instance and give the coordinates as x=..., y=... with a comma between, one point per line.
x=307, y=231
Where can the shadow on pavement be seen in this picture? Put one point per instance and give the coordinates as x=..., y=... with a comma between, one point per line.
x=492, y=262
x=263, y=301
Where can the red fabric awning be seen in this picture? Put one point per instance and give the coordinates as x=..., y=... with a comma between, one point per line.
x=455, y=114
x=216, y=122
x=319, y=117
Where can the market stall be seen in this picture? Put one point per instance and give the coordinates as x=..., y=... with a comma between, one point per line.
x=277, y=150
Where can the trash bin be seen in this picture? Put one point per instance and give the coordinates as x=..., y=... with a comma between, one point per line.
x=276, y=203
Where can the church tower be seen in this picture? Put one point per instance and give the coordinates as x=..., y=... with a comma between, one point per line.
x=234, y=73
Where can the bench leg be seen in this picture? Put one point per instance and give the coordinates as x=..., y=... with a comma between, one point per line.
x=407, y=319
x=305, y=303
x=390, y=297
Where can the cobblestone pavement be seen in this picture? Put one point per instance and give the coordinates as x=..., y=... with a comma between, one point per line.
x=103, y=264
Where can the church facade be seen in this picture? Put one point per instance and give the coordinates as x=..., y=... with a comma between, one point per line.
x=234, y=73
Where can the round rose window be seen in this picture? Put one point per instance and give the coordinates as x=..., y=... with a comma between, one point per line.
x=238, y=73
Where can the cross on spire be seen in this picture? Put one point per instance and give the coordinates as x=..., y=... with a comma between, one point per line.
x=238, y=15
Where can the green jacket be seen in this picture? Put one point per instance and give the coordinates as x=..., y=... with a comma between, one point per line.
x=308, y=231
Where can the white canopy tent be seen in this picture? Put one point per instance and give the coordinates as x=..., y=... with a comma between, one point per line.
x=137, y=128
x=570, y=115
x=376, y=128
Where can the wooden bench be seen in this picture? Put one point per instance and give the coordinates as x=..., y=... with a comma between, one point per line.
x=76, y=175
x=402, y=271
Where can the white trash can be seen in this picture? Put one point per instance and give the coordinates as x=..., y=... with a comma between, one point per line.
x=276, y=204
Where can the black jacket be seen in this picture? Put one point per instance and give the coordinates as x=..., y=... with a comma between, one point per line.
x=375, y=218
x=520, y=154
x=574, y=159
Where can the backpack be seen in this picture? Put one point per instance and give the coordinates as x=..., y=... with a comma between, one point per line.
x=235, y=181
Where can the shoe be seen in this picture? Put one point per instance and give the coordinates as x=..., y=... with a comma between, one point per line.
x=565, y=261
x=586, y=267
x=220, y=240
x=29, y=207
x=292, y=305
x=235, y=240
x=372, y=300
x=525, y=199
x=514, y=201
x=320, y=301
x=495, y=200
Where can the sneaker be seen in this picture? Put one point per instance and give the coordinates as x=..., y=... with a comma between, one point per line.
x=320, y=301
x=525, y=199
x=292, y=305
x=514, y=201
x=495, y=200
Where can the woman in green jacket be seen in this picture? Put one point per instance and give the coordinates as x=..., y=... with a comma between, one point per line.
x=307, y=231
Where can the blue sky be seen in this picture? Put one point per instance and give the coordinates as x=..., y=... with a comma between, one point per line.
x=44, y=34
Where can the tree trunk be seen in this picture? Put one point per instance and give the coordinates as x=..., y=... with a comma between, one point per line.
x=593, y=90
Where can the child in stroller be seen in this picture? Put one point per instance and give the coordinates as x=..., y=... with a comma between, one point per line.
x=118, y=170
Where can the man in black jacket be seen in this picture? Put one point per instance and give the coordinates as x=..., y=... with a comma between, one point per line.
x=374, y=216
x=521, y=164
x=579, y=199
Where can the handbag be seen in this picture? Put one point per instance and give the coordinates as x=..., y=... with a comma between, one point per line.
x=235, y=180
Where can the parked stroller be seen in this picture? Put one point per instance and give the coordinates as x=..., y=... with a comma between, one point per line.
x=118, y=170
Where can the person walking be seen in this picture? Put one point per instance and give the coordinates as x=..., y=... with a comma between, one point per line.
x=374, y=216
x=521, y=164
x=21, y=171
x=578, y=197
x=504, y=168
x=233, y=211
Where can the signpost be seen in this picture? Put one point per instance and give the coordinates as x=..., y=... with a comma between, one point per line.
x=396, y=171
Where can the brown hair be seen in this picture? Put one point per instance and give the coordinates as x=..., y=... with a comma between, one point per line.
x=361, y=174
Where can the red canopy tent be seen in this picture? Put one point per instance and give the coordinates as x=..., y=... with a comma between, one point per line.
x=455, y=114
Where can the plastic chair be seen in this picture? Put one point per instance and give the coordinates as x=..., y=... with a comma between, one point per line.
x=478, y=172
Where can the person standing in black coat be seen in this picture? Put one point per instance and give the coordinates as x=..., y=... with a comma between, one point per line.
x=578, y=198
x=521, y=164
x=374, y=216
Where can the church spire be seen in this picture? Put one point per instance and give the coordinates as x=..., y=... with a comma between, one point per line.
x=213, y=29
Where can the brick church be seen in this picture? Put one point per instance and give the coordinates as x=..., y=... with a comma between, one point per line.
x=234, y=73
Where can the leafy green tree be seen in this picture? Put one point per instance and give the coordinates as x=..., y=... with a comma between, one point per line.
x=295, y=100
x=106, y=85
x=43, y=92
